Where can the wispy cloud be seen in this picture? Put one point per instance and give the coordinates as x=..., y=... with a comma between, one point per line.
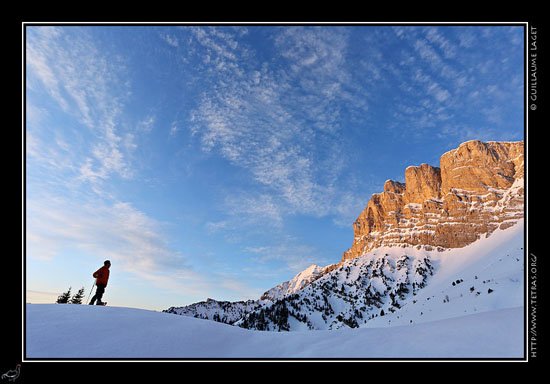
x=174, y=128
x=452, y=67
x=294, y=256
x=147, y=123
x=448, y=48
x=254, y=210
x=134, y=242
x=216, y=226
x=56, y=158
x=116, y=231
x=82, y=81
x=170, y=40
x=71, y=204
x=281, y=124
x=38, y=61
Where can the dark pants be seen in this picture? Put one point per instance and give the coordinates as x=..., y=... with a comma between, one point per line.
x=98, y=294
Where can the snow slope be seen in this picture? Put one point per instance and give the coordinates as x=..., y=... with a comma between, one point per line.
x=402, y=285
x=487, y=275
x=308, y=275
x=82, y=331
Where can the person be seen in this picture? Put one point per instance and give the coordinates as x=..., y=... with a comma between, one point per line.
x=102, y=278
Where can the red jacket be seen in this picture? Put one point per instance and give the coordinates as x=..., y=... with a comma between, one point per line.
x=102, y=276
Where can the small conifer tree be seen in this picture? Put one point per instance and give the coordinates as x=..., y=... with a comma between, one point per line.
x=77, y=297
x=64, y=297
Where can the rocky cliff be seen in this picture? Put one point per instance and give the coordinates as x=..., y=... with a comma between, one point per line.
x=478, y=188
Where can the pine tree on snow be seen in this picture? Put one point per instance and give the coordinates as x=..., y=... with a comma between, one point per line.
x=77, y=297
x=64, y=297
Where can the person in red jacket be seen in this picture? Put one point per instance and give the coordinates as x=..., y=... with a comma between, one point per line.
x=101, y=280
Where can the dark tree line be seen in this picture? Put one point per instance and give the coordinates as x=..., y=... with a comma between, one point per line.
x=65, y=297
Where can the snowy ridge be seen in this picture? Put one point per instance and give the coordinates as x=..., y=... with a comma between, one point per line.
x=230, y=312
x=398, y=286
x=357, y=291
x=298, y=282
x=220, y=311
x=386, y=287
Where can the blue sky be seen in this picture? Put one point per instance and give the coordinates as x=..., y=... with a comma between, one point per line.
x=220, y=161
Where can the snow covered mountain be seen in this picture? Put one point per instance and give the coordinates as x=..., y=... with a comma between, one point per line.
x=230, y=312
x=355, y=292
x=398, y=286
x=386, y=287
x=307, y=276
x=448, y=242
x=221, y=311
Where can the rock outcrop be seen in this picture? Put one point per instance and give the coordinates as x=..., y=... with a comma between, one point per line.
x=478, y=188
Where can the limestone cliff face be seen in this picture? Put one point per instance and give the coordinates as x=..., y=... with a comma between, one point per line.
x=478, y=188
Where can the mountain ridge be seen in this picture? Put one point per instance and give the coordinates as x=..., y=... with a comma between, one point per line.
x=400, y=241
x=399, y=286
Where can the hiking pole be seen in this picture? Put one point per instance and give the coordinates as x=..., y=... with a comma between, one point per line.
x=88, y=301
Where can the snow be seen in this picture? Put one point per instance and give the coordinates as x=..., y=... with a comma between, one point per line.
x=494, y=263
x=312, y=273
x=304, y=278
x=82, y=331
